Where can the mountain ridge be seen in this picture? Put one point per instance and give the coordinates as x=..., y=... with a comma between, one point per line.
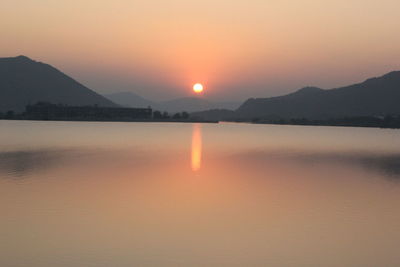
x=25, y=81
x=188, y=104
x=375, y=96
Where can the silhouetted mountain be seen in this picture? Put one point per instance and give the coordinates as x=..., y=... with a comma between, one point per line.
x=374, y=97
x=189, y=104
x=24, y=81
x=215, y=114
x=129, y=99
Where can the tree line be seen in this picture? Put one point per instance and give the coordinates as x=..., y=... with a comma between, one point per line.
x=388, y=121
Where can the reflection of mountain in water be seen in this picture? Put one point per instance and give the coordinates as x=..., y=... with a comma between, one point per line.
x=389, y=165
x=20, y=164
x=23, y=164
x=386, y=164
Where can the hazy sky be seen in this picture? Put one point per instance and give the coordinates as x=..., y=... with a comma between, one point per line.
x=236, y=48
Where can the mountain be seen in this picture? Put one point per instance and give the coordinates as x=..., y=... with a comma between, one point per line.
x=24, y=81
x=129, y=99
x=374, y=97
x=215, y=114
x=189, y=104
x=193, y=104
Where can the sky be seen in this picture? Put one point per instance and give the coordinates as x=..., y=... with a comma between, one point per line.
x=236, y=48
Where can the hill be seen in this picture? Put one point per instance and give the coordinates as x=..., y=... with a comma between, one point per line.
x=189, y=104
x=374, y=97
x=24, y=81
x=129, y=99
x=215, y=114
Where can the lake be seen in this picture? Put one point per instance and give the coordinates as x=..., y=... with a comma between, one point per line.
x=169, y=194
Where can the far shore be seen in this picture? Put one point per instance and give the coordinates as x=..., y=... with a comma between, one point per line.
x=294, y=123
x=120, y=120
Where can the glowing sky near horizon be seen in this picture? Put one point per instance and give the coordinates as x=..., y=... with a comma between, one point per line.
x=237, y=49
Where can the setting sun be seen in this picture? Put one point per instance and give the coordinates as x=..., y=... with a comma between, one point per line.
x=198, y=88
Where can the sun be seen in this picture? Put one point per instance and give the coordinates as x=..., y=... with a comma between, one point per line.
x=198, y=88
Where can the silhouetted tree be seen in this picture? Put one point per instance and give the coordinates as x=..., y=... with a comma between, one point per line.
x=157, y=115
x=9, y=115
x=185, y=115
x=177, y=116
x=165, y=115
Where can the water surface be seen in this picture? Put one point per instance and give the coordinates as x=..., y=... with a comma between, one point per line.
x=164, y=194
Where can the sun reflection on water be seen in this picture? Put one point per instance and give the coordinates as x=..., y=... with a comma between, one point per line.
x=196, y=147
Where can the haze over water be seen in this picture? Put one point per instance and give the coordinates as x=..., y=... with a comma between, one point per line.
x=165, y=194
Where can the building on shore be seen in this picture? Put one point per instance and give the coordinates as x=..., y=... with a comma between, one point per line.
x=48, y=111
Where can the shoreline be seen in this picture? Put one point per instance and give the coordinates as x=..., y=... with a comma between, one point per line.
x=121, y=120
x=209, y=122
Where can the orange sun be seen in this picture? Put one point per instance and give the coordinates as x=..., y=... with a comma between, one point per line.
x=198, y=88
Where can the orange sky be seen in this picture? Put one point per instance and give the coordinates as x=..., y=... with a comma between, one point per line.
x=238, y=49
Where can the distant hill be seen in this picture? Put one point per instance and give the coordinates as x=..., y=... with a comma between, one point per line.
x=24, y=81
x=215, y=114
x=129, y=99
x=189, y=104
x=193, y=104
x=374, y=97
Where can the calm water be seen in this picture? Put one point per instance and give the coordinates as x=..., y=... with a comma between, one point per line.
x=154, y=194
